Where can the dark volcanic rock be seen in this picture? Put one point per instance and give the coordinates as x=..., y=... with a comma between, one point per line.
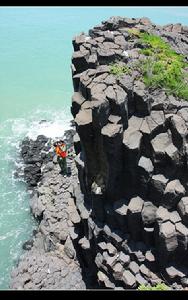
x=131, y=156
x=125, y=222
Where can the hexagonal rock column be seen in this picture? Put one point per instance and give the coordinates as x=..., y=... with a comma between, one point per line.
x=151, y=161
x=156, y=189
x=100, y=110
x=118, y=100
x=120, y=212
x=77, y=101
x=182, y=237
x=148, y=218
x=142, y=101
x=129, y=279
x=132, y=139
x=84, y=127
x=178, y=129
x=79, y=60
x=183, y=209
x=167, y=243
x=173, y=193
x=112, y=142
x=97, y=198
x=159, y=145
x=145, y=170
x=134, y=218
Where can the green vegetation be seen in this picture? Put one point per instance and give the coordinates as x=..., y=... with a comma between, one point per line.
x=118, y=69
x=158, y=287
x=164, y=68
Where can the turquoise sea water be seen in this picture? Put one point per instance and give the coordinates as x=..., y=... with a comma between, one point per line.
x=35, y=84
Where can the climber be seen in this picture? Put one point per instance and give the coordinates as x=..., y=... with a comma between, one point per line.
x=61, y=152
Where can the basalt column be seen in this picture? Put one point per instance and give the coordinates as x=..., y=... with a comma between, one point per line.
x=132, y=150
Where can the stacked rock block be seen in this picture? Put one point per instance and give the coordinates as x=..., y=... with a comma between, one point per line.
x=132, y=150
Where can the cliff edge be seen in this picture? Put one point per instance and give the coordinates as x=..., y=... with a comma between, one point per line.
x=131, y=116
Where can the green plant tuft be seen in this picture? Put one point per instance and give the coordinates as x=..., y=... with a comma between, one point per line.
x=158, y=287
x=163, y=68
x=118, y=69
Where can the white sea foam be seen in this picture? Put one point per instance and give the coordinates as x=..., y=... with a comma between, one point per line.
x=16, y=222
x=49, y=123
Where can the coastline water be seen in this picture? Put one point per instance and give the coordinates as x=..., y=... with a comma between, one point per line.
x=35, y=85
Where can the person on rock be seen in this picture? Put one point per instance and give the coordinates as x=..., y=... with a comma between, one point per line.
x=61, y=152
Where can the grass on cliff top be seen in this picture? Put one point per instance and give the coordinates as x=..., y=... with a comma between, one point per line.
x=158, y=287
x=163, y=67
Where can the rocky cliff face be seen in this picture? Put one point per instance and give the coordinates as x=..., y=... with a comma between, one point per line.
x=132, y=155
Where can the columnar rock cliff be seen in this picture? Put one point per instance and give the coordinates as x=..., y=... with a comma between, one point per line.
x=132, y=156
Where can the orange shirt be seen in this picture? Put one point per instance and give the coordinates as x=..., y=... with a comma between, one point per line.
x=61, y=152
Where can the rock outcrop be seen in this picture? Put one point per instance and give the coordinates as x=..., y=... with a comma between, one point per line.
x=120, y=217
x=131, y=146
x=50, y=260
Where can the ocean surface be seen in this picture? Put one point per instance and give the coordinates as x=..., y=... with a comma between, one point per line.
x=36, y=84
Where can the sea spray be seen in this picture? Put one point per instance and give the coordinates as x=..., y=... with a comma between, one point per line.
x=16, y=222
